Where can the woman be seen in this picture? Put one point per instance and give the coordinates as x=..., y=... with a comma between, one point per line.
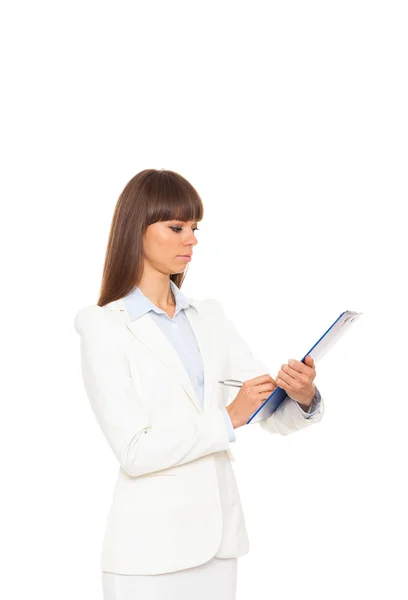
x=151, y=361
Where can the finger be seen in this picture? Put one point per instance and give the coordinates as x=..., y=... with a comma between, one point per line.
x=299, y=376
x=310, y=361
x=284, y=385
x=300, y=367
x=272, y=384
x=285, y=378
x=265, y=387
x=261, y=379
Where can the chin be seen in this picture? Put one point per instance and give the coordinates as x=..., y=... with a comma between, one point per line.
x=179, y=271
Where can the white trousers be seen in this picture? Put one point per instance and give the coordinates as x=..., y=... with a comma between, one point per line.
x=214, y=580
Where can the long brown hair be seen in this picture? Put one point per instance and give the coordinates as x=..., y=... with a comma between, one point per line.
x=150, y=196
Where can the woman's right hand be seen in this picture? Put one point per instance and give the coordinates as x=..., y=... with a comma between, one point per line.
x=249, y=398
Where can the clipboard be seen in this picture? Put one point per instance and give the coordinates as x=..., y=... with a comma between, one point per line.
x=320, y=349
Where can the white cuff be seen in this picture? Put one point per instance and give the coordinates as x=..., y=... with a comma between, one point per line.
x=313, y=408
x=228, y=423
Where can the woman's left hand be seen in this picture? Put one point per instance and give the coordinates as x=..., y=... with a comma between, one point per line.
x=296, y=378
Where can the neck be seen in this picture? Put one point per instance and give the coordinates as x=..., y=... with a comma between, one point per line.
x=158, y=290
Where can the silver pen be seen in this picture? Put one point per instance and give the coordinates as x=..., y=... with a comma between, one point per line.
x=231, y=382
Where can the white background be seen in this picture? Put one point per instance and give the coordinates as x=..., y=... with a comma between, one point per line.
x=290, y=119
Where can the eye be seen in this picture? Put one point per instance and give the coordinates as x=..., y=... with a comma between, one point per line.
x=177, y=229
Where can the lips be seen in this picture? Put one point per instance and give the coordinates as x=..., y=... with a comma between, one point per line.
x=186, y=255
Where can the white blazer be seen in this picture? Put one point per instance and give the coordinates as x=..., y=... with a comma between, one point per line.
x=175, y=503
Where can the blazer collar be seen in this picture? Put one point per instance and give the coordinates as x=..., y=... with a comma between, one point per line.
x=150, y=335
x=137, y=304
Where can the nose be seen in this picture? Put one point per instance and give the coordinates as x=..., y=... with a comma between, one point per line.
x=193, y=240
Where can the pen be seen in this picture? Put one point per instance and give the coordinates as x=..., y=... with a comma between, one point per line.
x=231, y=382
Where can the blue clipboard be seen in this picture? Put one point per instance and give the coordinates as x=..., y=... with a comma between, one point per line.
x=321, y=347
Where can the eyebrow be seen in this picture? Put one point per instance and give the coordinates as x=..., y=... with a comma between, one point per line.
x=181, y=221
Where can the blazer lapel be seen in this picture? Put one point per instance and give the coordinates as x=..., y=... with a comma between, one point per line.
x=151, y=336
x=207, y=344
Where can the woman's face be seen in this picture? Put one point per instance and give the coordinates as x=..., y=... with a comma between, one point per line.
x=165, y=241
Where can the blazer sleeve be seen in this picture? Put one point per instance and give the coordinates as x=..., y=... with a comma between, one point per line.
x=242, y=365
x=140, y=446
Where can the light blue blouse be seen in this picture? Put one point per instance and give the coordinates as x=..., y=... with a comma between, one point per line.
x=180, y=334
